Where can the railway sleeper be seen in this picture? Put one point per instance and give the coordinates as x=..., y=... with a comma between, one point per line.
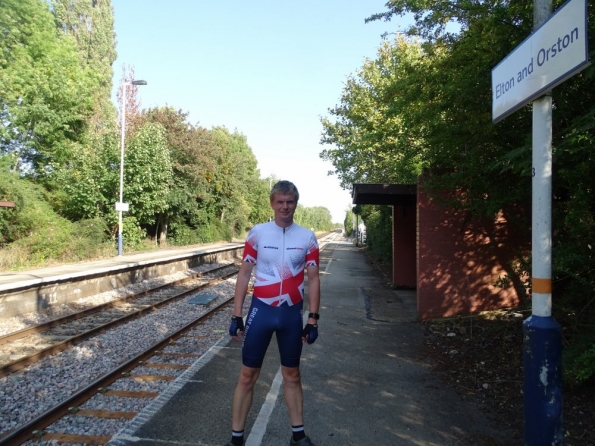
x=71, y=438
x=112, y=414
x=129, y=393
x=159, y=365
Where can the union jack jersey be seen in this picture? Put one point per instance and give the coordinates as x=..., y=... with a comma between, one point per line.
x=280, y=255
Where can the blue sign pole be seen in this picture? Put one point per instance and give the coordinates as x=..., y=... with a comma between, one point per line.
x=542, y=385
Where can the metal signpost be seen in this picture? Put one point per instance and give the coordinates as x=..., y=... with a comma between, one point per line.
x=555, y=51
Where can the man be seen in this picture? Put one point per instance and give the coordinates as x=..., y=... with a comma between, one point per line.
x=281, y=250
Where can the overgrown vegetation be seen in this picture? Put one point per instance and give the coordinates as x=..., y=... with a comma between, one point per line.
x=424, y=103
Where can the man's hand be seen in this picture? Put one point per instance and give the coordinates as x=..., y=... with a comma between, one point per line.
x=310, y=333
x=236, y=328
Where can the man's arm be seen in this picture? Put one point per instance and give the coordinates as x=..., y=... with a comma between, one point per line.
x=241, y=289
x=313, y=291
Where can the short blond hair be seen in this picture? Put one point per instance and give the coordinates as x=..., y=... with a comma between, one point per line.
x=284, y=187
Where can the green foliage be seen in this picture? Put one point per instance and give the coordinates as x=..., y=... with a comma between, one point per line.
x=10, y=190
x=148, y=174
x=44, y=92
x=378, y=221
x=349, y=223
x=235, y=186
x=89, y=185
x=215, y=181
x=32, y=211
x=258, y=201
x=317, y=218
x=372, y=138
x=191, y=151
x=424, y=102
x=34, y=235
x=133, y=236
x=90, y=23
x=579, y=361
x=182, y=234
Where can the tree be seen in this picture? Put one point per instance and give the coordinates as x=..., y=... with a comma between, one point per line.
x=317, y=218
x=259, y=202
x=91, y=24
x=192, y=155
x=349, y=223
x=44, y=93
x=148, y=174
x=373, y=136
x=236, y=184
x=134, y=114
x=89, y=185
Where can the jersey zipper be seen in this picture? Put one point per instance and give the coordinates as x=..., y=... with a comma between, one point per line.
x=282, y=262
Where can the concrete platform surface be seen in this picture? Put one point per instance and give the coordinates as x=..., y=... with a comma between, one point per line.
x=366, y=380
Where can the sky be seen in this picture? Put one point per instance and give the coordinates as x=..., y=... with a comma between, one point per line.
x=269, y=69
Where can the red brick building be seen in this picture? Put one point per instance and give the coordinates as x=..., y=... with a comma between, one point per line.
x=453, y=262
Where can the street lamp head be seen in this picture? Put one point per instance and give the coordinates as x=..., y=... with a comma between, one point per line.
x=139, y=82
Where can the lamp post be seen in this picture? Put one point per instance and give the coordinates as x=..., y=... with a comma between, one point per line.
x=120, y=206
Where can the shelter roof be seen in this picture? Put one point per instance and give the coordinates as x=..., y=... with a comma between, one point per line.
x=390, y=194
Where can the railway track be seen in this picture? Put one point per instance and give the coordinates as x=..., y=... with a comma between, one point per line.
x=27, y=346
x=163, y=357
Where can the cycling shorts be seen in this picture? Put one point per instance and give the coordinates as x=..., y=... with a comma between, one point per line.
x=263, y=320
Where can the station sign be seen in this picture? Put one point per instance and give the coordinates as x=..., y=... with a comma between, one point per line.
x=554, y=52
x=124, y=207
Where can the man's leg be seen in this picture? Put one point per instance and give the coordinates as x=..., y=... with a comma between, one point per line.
x=242, y=398
x=294, y=397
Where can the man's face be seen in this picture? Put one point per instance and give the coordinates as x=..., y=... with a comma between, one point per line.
x=283, y=207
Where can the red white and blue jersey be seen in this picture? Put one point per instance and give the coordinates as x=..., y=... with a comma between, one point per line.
x=280, y=255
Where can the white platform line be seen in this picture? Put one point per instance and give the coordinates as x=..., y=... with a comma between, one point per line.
x=260, y=425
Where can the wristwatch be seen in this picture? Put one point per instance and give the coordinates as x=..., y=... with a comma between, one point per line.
x=313, y=316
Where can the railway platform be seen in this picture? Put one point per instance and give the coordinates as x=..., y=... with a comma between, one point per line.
x=35, y=290
x=14, y=280
x=366, y=380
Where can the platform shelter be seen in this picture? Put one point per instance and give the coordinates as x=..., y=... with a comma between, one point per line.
x=457, y=265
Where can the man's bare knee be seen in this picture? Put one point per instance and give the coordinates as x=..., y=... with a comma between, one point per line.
x=248, y=377
x=291, y=375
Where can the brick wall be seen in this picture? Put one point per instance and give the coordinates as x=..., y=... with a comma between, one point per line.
x=459, y=261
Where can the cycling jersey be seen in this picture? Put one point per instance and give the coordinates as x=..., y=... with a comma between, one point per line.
x=280, y=255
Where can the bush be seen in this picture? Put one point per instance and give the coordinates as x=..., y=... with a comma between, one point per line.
x=133, y=236
x=180, y=234
x=378, y=223
x=579, y=362
x=89, y=239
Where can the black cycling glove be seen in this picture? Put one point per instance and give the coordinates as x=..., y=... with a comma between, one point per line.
x=237, y=324
x=310, y=333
